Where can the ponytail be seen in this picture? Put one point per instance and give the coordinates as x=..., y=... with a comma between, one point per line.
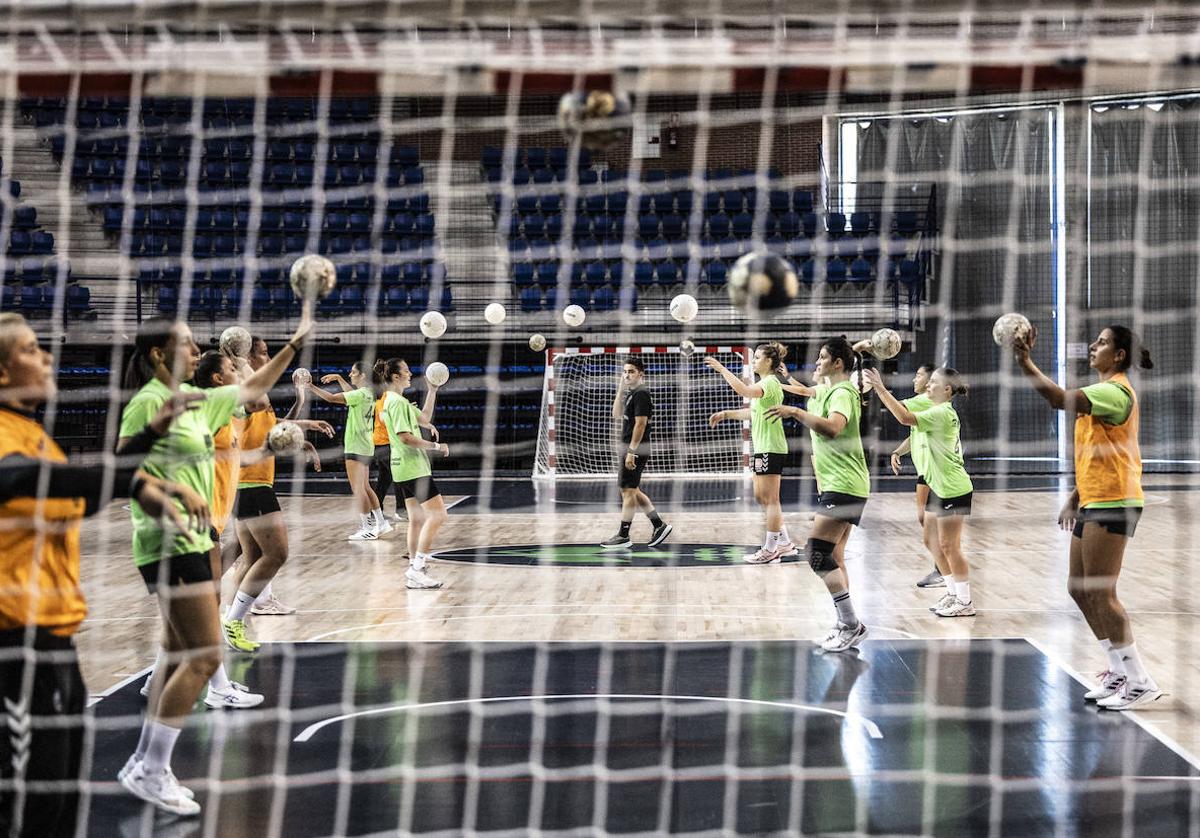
x=382, y=373
x=776, y=351
x=1128, y=342
x=958, y=385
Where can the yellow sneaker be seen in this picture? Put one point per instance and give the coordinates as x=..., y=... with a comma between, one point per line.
x=235, y=636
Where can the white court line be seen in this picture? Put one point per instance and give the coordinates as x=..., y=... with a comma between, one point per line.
x=1132, y=715
x=872, y=728
x=96, y=698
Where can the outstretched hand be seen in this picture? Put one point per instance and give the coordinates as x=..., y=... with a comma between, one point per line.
x=780, y=411
x=873, y=378
x=1022, y=345
x=713, y=363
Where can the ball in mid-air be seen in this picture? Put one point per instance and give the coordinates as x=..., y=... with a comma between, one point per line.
x=433, y=324
x=437, y=374
x=301, y=377
x=235, y=342
x=313, y=277
x=762, y=282
x=599, y=119
x=684, y=308
x=1009, y=327
x=537, y=342
x=885, y=343
x=285, y=438
x=574, y=315
x=495, y=314
x=686, y=347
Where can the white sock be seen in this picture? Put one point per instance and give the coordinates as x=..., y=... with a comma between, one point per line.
x=377, y=514
x=240, y=605
x=845, y=610
x=159, y=748
x=1135, y=670
x=219, y=682
x=784, y=538
x=418, y=561
x=771, y=540
x=265, y=594
x=951, y=585
x=1115, y=664
x=962, y=590
x=139, y=753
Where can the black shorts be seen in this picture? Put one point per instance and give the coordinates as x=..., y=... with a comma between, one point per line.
x=361, y=458
x=921, y=481
x=631, y=478
x=255, y=501
x=1119, y=520
x=841, y=507
x=184, y=569
x=768, y=463
x=420, y=489
x=940, y=507
x=50, y=750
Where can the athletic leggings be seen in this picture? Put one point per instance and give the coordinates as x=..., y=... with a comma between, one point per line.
x=383, y=461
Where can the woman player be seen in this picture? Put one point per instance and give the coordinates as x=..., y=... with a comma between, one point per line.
x=832, y=418
x=949, y=486
x=915, y=445
x=175, y=565
x=770, y=445
x=43, y=500
x=359, y=447
x=383, y=459
x=410, y=466
x=1103, y=510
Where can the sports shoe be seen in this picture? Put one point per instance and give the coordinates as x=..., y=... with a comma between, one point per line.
x=785, y=549
x=237, y=697
x=383, y=528
x=1110, y=684
x=144, y=692
x=133, y=760
x=956, y=608
x=161, y=790
x=761, y=556
x=945, y=600
x=420, y=580
x=617, y=542
x=660, y=534
x=1131, y=696
x=396, y=517
x=235, y=636
x=933, y=579
x=364, y=535
x=842, y=637
x=271, y=607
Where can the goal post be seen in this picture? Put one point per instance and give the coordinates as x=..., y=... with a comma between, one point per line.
x=577, y=436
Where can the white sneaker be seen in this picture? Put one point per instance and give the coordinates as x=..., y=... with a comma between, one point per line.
x=161, y=790
x=364, y=535
x=945, y=600
x=420, y=580
x=1131, y=696
x=144, y=692
x=271, y=606
x=1110, y=684
x=383, y=528
x=785, y=549
x=956, y=608
x=395, y=518
x=762, y=556
x=133, y=760
x=843, y=637
x=237, y=697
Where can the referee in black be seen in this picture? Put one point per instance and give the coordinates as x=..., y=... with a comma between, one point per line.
x=634, y=406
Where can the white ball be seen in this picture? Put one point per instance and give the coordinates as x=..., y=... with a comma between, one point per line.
x=495, y=314
x=684, y=308
x=235, y=342
x=854, y=379
x=1010, y=326
x=537, y=342
x=686, y=347
x=437, y=374
x=301, y=377
x=885, y=343
x=285, y=438
x=574, y=315
x=433, y=324
x=313, y=277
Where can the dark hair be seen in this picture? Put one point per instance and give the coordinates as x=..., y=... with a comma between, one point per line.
x=958, y=385
x=636, y=362
x=384, y=371
x=929, y=368
x=1126, y=341
x=840, y=349
x=153, y=333
x=774, y=350
x=209, y=365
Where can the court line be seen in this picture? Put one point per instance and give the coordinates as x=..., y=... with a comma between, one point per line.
x=1133, y=715
x=96, y=698
x=308, y=732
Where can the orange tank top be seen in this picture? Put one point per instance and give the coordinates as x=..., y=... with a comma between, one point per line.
x=39, y=542
x=258, y=425
x=381, y=437
x=225, y=444
x=1108, y=462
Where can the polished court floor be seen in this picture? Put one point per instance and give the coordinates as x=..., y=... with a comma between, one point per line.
x=550, y=686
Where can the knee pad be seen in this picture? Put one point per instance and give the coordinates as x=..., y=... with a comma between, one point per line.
x=820, y=556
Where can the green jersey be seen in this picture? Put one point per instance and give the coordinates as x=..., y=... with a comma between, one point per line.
x=185, y=455
x=945, y=474
x=918, y=444
x=767, y=433
x=839, y=463
x=400, y=416
x=1111, y=404
x=360, y=422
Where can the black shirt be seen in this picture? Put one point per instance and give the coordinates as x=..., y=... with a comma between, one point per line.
x=637, y=403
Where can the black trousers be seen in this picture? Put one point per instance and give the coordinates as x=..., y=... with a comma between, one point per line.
x=41, y=735
x=383, y=461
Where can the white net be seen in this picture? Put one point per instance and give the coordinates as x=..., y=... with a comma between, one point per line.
x=577, y=436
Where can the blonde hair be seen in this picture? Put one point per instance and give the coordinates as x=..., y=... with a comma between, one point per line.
x=10, y=323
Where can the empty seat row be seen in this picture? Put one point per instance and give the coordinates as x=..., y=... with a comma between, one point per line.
x=214, y=300
x=163, y=220
x=223, y=245
x=599, y=299
x=40, y=299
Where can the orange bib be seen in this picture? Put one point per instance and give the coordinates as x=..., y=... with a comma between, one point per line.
x=1108, y=462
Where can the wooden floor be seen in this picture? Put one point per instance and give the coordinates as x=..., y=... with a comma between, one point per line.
x=353, y=592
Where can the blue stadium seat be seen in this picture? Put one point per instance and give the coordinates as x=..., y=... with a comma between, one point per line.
x=835, y=223
x=743, y=225
x=668, y=272
x=547, y=273
x=860, y=270
x=643, y=273
x=595, y=274
x=531, y=299
x=603, y=299
x=861, y=223
x=906, y=223
x=395, y=299
x=733, y=201
x=718, y=225
x=802, y=201
x=618, y=202
x=809, y=223
x=715, y=273
x=835, y=270
x=648, y=225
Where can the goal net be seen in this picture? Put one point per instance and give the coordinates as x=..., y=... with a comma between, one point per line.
x=578, y=437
